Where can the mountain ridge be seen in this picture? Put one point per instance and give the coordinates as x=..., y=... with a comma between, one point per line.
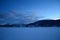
x=39, y=23
x=45, y=22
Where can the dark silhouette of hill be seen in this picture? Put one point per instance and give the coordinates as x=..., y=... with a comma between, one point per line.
x=46, y=23
x=40, y=23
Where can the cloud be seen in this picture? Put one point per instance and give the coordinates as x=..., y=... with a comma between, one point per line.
x=13, y=17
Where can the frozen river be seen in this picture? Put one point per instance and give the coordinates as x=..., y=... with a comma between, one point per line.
x=35, y=33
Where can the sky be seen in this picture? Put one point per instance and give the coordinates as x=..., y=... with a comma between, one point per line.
x=27, y=11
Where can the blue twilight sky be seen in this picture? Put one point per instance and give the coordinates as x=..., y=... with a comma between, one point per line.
x=26, y=11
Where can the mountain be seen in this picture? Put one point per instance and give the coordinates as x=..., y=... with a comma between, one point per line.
x=45, y=23
x=40, y=23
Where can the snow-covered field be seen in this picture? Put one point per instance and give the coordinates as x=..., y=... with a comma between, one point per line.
x=26, y=33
